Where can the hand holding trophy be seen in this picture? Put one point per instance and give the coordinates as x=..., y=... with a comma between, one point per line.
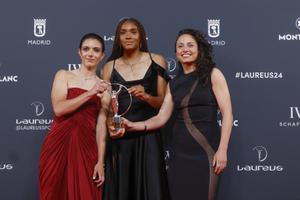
x=115, y=122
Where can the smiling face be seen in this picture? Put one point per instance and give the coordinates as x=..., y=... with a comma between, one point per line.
x=187, y=50
x=129, y=36
x=91, y=52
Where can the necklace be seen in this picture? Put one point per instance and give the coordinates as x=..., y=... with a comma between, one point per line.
x=126, y=62
x=86, y=78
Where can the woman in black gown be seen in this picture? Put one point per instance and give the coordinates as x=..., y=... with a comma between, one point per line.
x=199, y=148
x=135, y=167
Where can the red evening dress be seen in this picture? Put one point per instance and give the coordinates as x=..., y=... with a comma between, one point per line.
x=69, y=154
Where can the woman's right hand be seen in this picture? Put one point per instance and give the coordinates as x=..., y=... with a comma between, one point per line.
x=98, y=174
x=99, y=88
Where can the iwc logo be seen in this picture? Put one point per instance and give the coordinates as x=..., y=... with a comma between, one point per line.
x=294, y=115
x=295, y=112
x=39, y=31
x=73, y=66
x=214, y=31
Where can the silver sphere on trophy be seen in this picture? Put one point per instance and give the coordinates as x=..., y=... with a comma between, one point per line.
x=116, y=118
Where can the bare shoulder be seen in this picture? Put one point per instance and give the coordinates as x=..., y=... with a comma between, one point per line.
x=217, y=76
x=63, y=74
x=108, y=66
x=106, y=70
x=159, y=60
x=62, y=77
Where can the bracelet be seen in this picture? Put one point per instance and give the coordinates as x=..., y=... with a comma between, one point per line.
x=145, y=126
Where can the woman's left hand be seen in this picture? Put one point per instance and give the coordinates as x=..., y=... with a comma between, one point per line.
x=98, y=175
x=139, y=92
x=220, y=161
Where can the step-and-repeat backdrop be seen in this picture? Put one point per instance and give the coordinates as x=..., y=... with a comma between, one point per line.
x=256, y=45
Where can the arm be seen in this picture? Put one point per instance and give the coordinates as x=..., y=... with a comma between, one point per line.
x=157, y=121
x=154, y=101
x=221, y=92
x=101, y=129
x=62, y=105
x=101, y=134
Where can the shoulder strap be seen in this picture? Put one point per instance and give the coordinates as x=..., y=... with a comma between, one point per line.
x=150, y=56
x=114, y=62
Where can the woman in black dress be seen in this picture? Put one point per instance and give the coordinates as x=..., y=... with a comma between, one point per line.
x=135, y=167
x=199, y=147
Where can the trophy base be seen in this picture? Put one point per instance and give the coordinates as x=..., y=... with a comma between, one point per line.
x=118, y=131
x=117, y=122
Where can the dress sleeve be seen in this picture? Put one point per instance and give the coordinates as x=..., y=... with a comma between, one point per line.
x=161, y=71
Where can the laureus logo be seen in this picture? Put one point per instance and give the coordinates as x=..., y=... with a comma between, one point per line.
x=34, y=123
x=171, y=64
x=172, y=67
x=262, y=153
x=39, y=107
x=39, y=29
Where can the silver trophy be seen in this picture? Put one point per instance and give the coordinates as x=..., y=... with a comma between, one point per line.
x=116, y=119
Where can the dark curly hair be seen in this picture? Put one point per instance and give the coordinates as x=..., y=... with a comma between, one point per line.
x=117, y=50
x=204, y=61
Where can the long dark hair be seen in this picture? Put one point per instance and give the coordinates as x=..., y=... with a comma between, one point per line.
x=204, y=61
x=117, y=50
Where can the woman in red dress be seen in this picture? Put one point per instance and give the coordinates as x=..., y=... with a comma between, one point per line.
x=70, y=157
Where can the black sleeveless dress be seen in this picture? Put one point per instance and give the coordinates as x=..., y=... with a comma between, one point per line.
x=135, y=168
x=196, y=136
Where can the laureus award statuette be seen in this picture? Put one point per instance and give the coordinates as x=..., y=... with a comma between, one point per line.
x=116, y=119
